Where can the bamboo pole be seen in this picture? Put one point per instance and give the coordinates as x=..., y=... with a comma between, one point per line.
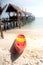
x=0, y=22
x=1, y=30
x=18, y=20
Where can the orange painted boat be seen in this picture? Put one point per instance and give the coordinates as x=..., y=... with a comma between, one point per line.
x=20, y=43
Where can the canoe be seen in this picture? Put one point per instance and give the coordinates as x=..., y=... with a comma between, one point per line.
x=20, y=43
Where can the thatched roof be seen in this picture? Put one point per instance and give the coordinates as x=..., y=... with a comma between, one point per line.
x=26, y=13
x=13, y=8
x=0, y=9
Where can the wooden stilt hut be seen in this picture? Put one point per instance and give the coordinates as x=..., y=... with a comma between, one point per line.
x=15, y=10
x=27, y=16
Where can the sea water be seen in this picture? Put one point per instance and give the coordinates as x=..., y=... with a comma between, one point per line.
x=37, y=23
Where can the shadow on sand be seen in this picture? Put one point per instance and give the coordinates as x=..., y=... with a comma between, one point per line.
x=14, y=54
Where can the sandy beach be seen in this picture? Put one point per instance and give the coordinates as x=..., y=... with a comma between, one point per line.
x=32, y=54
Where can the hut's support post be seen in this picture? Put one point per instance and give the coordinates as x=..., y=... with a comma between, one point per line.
x=18, y=20
x=10, y=20
x=25, y=18
x=9, y=14
x=5, y=27
x=1, y=30
x=21, y=19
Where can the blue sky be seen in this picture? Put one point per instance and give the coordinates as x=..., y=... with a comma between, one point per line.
x=33, y=6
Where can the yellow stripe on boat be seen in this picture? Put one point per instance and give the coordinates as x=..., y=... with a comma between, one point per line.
x=20, y=39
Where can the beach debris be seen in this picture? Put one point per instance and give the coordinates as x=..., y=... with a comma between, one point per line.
x=41, y=60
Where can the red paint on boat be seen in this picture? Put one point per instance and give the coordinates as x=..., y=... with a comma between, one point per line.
x=20, y=43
